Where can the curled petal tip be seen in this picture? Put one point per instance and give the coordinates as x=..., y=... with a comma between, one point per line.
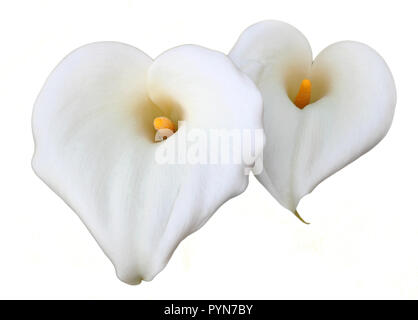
x=296, y=213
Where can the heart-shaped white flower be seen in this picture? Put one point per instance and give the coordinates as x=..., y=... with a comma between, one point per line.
x=351, y=100
x=94, y=136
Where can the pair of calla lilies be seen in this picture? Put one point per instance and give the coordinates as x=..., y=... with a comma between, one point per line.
x=93, y=125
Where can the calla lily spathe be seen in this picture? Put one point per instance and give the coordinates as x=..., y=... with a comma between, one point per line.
x=94, y=137
x=351, y=107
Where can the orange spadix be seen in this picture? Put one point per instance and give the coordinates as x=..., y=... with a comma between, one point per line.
x=163, y=123
x=304, y=95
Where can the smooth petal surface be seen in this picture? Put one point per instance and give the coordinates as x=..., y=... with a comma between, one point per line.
x=351, y=110
x=93, y=130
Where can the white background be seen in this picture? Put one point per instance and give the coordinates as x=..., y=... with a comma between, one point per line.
x=363, y=237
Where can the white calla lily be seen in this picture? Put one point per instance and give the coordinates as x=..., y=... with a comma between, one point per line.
x=351, y=99
x=94, y=137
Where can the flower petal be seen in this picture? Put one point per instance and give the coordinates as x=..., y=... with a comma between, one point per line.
x=93, y=129
x=352, y=105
